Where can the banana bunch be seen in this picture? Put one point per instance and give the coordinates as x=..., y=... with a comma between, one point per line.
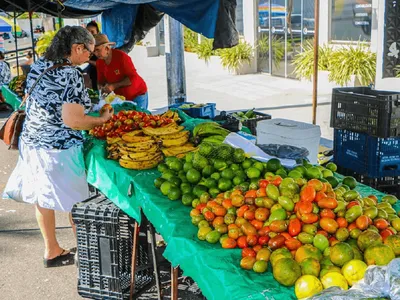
x=211, y=132
x=172, y=115
x=179, y=151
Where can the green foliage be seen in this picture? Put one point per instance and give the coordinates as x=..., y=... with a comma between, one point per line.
x=278, y=48
x=397, y=69
x=233, y=58
x=352, y=60
x=190, y=40
x=205, y=50
x=44, y=42
x=304, y=61
x=26, y=16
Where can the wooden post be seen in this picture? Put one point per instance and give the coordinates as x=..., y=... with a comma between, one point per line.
x=315, y=75
x=174, y=283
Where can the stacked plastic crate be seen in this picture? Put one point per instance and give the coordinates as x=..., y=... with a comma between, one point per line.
x=366, y=126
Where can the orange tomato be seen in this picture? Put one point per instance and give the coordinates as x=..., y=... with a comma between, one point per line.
x=352, y=226
x=227, y=203
x=327, y=202
x=263, y=183
x=231, y=226
x=332, y=241
x=309, y=218
x=249, y=215
x=201, y=206
x=373, y=197
x=286, y=235
x=327, y=213
x=195, y=212
x=262, y=214
x=381, y=224
x=263, y=240
x=261, y=192
x=323, y=232
x=218, y=221
x=329, y=225
x=292, y=244
x=264, y=231
x=320, y=196
x=209, y=216
x=385, y=233
x=237, y=200
x=234, y=233
x=351, y=204
x=308, y=194
x=236, y=192
x=257, y=248
x=316, y=184
x=241, y=210
x=342, y=222
x=211, y=204
x=249, y=200
x=304, y=207
x=240, y=221
x=228, y=243
x=276, y=242
x=278, y=226
x=327, y=188
x=331, y=194
x=277, y=180
x=257, y=224
x=251, y=194
x=242, y=242
x=294, y=227
x=252, y=240
x=248, y=252
x=219, y=211
x=248, y=229
x=363, y=222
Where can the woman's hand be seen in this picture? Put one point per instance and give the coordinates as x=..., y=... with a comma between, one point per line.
x=108, y=88
x=73, y=116
x=106, y=112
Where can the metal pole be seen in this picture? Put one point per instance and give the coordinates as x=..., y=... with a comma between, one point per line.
x=32, y=37
x=59, y=15
x=16, y=41
x=175, y=61
x=270, y=37
x=316, y=46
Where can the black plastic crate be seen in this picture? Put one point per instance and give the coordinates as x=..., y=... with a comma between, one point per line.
x=367, y=155
x=362, y=109
x=205, y=112
x=105, y=241
x=252, y=123
x=388, y=184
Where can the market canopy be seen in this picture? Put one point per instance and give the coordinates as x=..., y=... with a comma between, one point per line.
x=128, y=21
x=4, y=26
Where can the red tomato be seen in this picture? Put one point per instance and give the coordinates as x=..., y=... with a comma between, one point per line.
x=309, y=218
x=342, y=222
x=352, y=226
x=327, y=213
x=308, y=194
x=329, y=225
x=277, y=180
x=363, y=222
x=248, y=252
x=242, y=242
x=228, y=243
x=263, y=240
x=323, y=232
x=381, y=224
x=293, y=244
x=276, y=242
x=327, y=202
x=263, y=183
x=264, y=231
x=304, y=207
x=278, y=226
x=294, y=227
x=252, y=240
x=385, y=233
x=351, y=204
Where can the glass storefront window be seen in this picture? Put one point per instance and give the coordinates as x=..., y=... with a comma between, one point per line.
x=239, y=16
x=351, y=20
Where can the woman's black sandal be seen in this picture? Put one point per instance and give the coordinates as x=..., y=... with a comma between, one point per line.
x=59, y=261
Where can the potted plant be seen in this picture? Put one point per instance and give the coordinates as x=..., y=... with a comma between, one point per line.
x=237, y=59
x=278, y=49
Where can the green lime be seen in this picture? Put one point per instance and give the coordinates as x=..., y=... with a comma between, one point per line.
x=187, y=166
x=301, y=169
x=327, y=173
x=282, y=173
x=205, y=197
x=215, y=176
x=351, y=182
x=333, y=181
x=208, y=170
x=237, y=180
x=175, y=180
x=213, y=237
x=170, y=159
x=214, y=192
x=274, y=165
x=224, y=184
x=313, y=173
x=239, y=155
x=158, y=182
x=193, y=176
x=258, y=165
x=247, y=163
x=165, y=187
x=331, y=166
x=187, y=199
x=295, y=174
x=244, y=186
x=210, y=183
x=189, y=157
x=186, y=187
x=168, y=174
x=198, y=190
x=174, y=193
x=253, y=172
x=253, y=186
x=183, y=178
x=235, y=167
x=176, y=165
x=203, y=223
x=220, y=164
x=260, y=266
x=162, y=168
x=227, y=173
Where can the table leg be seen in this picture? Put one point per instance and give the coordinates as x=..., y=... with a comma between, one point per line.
x=174, y=283
x=155, y=262
x=134, y=258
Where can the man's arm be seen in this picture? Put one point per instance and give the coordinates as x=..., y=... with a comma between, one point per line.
x=109, y=87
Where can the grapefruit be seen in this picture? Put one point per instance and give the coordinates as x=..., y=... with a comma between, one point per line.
x=341, y=253
x=354, y=270
x=307, y=286
x=310, y=266
x=393, y=241
x=307, y=251
x=368, y=238
x=286, y=271
x=334, y=279
x=379, y=255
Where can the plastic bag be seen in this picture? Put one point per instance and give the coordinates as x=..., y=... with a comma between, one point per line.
x=236, y=141
x=285, y=151
x=13, y=189
x=378, y=282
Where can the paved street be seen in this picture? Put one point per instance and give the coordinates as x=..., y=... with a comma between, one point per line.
x=21, y=246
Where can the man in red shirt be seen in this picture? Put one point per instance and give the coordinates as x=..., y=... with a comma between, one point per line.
x=116, y=72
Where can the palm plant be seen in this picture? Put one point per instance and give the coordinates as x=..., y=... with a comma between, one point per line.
x=233, y=58
x=44, y=42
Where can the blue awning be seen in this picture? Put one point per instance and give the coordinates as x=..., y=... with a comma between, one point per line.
x=4, y=27
x=126, y=21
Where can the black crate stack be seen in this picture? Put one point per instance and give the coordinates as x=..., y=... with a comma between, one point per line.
x=366, y=126
x=105, y=241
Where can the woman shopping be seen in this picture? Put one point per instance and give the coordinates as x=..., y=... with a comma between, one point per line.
x=50, y=167
x=116, y=73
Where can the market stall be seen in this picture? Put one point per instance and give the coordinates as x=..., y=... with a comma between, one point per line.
x=217, y=268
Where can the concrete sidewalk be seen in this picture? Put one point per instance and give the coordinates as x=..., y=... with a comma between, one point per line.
x=21, y=245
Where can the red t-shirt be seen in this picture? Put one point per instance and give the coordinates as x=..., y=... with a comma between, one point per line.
x=121, y=65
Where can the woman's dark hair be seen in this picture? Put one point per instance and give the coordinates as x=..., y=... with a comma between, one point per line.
x=2, y=55
x=30, y=55
x=93, y=24
x=61, y=46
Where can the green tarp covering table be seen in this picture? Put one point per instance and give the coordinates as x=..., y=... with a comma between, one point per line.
x=11, y=98
x=216, y=270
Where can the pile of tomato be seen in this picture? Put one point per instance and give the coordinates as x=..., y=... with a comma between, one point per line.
x=127, y=121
